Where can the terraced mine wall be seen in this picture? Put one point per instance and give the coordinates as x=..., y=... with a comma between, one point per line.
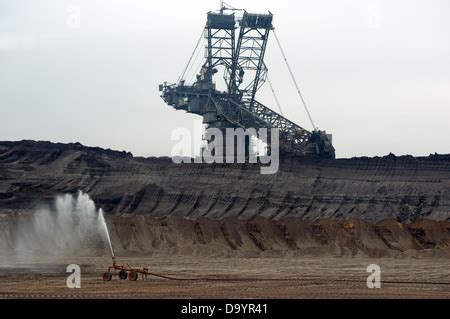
x=371, y=189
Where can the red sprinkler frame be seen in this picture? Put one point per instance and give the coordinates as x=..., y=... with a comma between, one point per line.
x=126, y=271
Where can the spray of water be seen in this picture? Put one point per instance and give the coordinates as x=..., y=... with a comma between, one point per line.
x=73, y=225
x=105, y=226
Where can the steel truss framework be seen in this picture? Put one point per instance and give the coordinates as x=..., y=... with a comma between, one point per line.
x=243, y=59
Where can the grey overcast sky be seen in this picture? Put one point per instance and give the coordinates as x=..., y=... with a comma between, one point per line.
x=375, y=73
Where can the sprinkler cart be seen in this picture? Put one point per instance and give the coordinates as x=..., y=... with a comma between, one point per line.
x=126, y=271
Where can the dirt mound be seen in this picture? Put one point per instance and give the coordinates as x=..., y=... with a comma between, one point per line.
x=290, y=236
x=256, y=237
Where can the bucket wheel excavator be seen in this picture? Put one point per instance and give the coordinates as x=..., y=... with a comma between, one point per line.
x=235, y=42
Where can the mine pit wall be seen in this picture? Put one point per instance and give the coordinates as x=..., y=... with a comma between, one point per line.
x=368, y=189
x=258, y=237
x=372, y=189
x=396, y=206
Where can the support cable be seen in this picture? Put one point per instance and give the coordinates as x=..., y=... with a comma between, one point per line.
x=190, y=59
x=194, y=67
x=275, y=95
x=228, y=6
x=295, y=82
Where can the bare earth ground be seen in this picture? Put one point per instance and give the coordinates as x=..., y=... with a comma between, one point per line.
x=289, y=277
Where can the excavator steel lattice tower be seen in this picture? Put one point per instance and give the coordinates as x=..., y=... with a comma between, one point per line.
x=237, y=43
